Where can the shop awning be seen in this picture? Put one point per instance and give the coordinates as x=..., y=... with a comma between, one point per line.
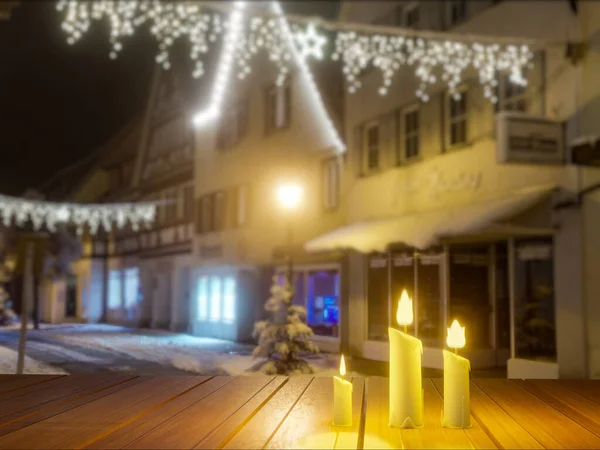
x=421, y=230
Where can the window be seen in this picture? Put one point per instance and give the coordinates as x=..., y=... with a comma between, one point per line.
x=114, y=289
x=188, y=201
x=229, y=300
x=215, y=299
x=278, y=107
x=458, y=118
x=219, y=211
x=378, y=297
x=371, y=147
x=132, y=284
x=171, y=205
x=323, y=302
x=330, y=184
x=535, y=327
x=502, y=297
x=412, y=16
x=512, y=96
x=207, y=214
x=202, y=298
x=232, y=126
x=411, y=133
x=458, y=11
x=240, y=205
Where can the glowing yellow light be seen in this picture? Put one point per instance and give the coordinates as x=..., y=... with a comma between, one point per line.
x=342, y=366
x=456, y=335
x=404, y=314
x=289, y=195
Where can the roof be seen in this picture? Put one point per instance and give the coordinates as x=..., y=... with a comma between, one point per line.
x=421, y=230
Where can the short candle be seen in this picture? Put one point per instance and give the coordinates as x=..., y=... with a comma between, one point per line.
x=342, y=398
x=457, y=401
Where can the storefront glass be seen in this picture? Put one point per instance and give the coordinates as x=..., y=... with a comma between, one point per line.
x=470, y=292
x=429, y=299
x=202, y=298
x=403, y=277
x=535, y=332
x=323, y=302
x=378, y=297
x=114, y=289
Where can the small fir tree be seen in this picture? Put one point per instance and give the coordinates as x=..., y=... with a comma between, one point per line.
x=285, y=335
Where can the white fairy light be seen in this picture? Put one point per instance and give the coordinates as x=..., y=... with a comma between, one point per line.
x=310, y=43
x=213, y=111
x=319, y=105
x=49, y=214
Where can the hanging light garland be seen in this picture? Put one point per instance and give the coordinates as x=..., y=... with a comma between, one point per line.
x=19, y=211
x=432, y=59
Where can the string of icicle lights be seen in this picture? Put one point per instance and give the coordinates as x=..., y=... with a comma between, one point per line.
x=93, y=216
x=432, y=59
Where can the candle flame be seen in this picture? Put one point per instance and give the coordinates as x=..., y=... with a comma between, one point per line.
x=456, y=335
x=404, y=314
x=342, y=366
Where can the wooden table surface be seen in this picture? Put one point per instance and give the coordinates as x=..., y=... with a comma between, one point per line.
x=121, y=411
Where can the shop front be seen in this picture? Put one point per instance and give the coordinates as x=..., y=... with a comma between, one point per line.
x=317, y=289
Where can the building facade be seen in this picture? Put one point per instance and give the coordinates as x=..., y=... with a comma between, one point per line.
x=446, y=202
x=138, y=277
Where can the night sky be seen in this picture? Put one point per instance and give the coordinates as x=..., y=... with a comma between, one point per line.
x=60, y=102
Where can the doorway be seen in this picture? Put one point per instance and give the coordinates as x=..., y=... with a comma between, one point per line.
x=71, y=297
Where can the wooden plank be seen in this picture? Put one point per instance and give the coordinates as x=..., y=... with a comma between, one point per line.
x=201, y=418
x=258, y=430
x=79, y=425
x=36, y=387
x=309, y=423
x=42, y=399
x=579, y=409
x=549, y=427
x=13, y=382
x=127, y=434
x=378, y=433
x=28, y=419
x=589, y=389
x=476, y=434
x=224, y=432
x=501, y=428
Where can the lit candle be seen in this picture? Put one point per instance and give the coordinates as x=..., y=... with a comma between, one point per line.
x=457, y=401
x=406, y=387
x=342, y=398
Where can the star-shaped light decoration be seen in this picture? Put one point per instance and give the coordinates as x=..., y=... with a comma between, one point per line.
x=310, y=43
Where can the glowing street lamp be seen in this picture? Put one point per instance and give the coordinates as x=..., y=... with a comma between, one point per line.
x=289, y=196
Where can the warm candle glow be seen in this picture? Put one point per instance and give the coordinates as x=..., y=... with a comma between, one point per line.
x=342, y=366
x=456, y=335
x=404, y=315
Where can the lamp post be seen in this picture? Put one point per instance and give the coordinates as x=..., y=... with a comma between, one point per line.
x=289, y=196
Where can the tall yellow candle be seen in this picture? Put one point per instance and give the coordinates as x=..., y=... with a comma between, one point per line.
x=342, y=398
x=457, y=399
x=406, y=387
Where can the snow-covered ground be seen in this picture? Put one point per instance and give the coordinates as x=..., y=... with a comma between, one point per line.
x=83, y=347
x=8, y=364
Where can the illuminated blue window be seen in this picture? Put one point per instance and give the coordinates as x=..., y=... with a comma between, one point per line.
x=215, y=299
x=229, y=300
x=202, y=298
x=323, y=302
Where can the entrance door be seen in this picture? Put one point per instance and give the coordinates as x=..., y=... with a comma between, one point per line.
x=71, y=300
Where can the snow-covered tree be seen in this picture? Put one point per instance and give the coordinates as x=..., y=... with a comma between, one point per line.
x=285, y=336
